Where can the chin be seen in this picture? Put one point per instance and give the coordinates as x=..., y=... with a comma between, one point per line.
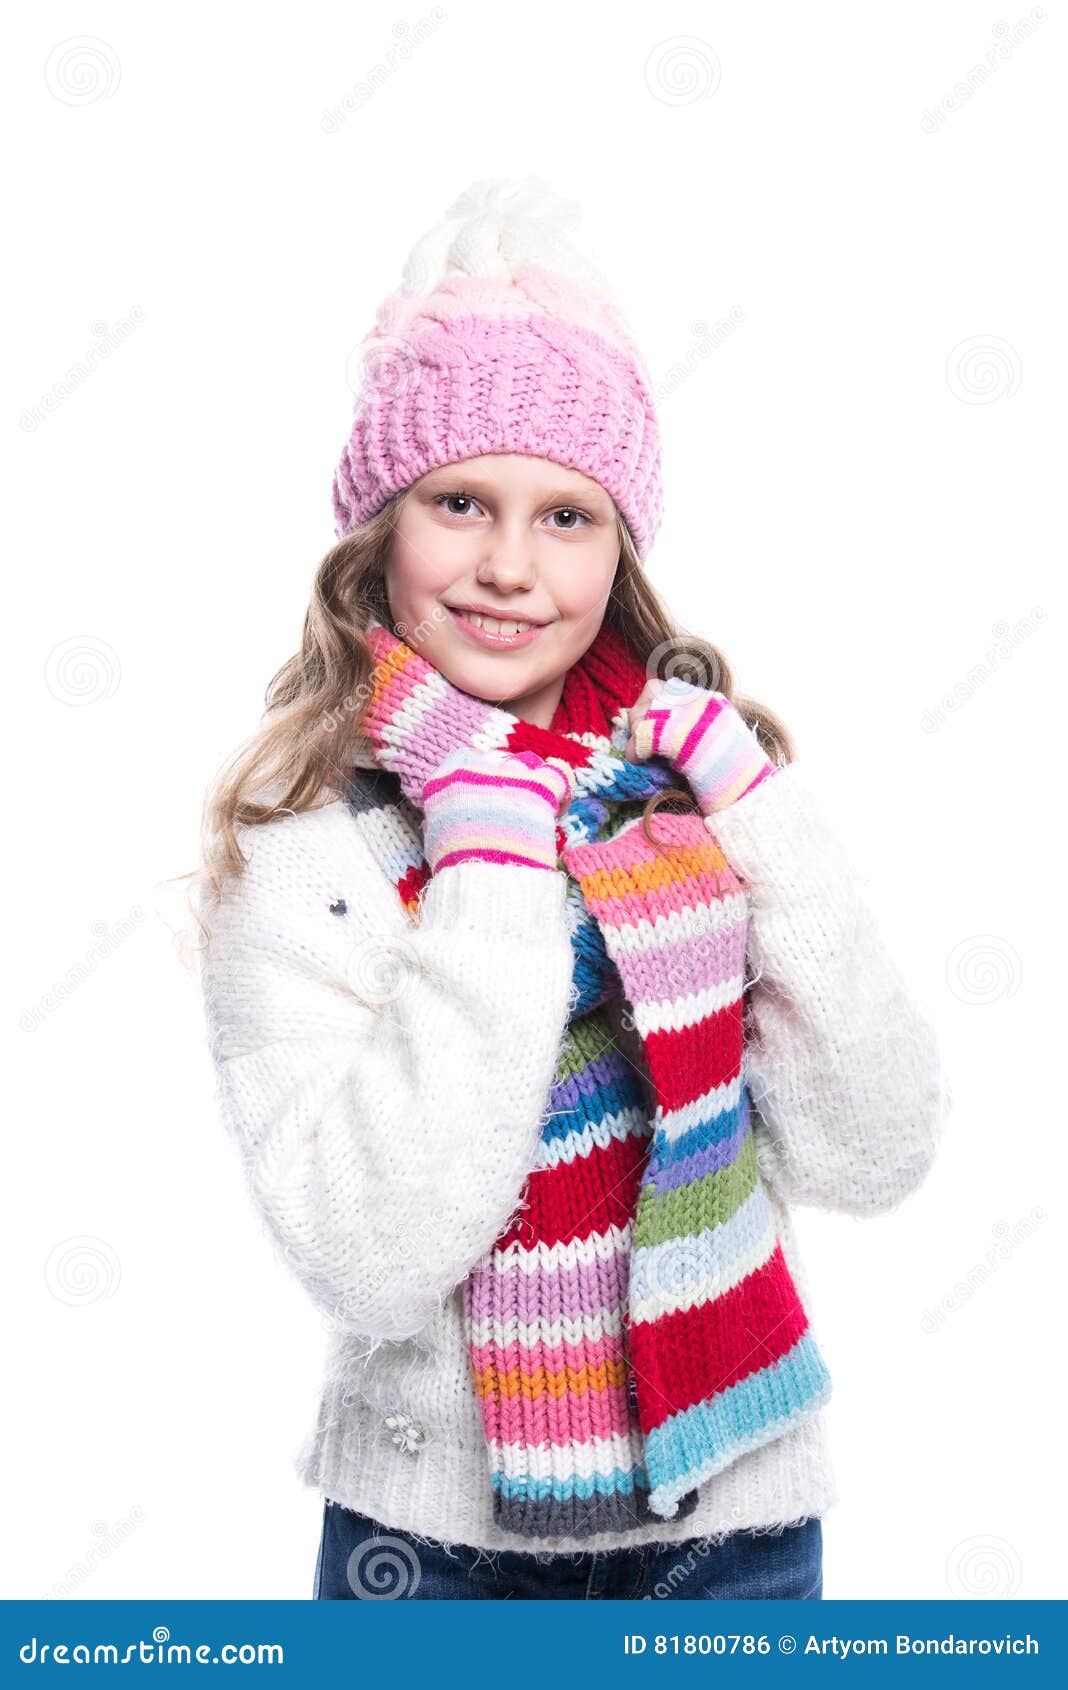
x=495, y=681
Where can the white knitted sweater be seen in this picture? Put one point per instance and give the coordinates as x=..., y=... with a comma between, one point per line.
x=387, y=1086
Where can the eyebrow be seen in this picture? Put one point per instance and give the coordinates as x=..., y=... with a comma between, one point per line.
x=443, y=480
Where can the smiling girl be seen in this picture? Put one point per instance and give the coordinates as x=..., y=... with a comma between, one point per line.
x=511, y=632
x=538, y=988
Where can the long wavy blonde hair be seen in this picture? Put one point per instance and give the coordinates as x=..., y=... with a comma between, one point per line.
x=316, y=702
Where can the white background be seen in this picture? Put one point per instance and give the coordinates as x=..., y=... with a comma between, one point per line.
x=860, y=511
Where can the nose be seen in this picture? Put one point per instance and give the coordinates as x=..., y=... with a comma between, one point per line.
x=509, y=562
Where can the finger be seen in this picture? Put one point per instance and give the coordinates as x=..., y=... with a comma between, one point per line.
x=645, y=698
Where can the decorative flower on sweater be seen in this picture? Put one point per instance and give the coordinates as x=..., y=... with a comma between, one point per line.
x=406, y=1433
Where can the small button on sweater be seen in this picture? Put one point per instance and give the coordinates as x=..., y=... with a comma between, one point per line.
x=335, y=1024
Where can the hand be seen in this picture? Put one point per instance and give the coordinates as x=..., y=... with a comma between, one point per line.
x=494, y=807
x=700, y=733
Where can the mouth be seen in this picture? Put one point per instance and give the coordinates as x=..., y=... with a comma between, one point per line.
x=503, y=633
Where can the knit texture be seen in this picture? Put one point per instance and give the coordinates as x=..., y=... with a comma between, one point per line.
x=704, y=737
x=636, y=1329
x=387, y=1113
x=502, y=337
x=493, y=807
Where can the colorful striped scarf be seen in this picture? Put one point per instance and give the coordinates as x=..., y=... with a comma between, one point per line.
x=635, y=1329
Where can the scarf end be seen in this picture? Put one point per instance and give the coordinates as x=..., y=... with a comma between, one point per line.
x=545, y=1511
x=695, y=1445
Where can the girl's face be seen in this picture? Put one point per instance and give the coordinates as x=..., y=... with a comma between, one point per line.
x=514, y=538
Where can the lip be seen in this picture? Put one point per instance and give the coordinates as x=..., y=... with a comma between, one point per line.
x=479, y=636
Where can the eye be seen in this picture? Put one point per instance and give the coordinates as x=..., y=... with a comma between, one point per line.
x=571, y=511
x=457, y=498
x=574, y=518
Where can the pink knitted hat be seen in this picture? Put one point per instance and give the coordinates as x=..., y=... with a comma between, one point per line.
x=502, y=338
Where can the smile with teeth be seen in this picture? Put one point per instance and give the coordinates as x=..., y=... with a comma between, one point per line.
x=497, y=628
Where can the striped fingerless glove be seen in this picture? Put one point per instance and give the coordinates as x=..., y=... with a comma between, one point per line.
x=494, y=807
x=701, y=734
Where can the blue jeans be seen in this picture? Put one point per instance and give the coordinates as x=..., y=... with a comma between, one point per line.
x=360, y=1558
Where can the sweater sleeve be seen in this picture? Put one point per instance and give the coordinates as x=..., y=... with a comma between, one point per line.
x=844, y=1065
x=386, y=1082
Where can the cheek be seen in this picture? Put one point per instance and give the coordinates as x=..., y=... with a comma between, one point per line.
x=423, y=563
x=581, y=585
